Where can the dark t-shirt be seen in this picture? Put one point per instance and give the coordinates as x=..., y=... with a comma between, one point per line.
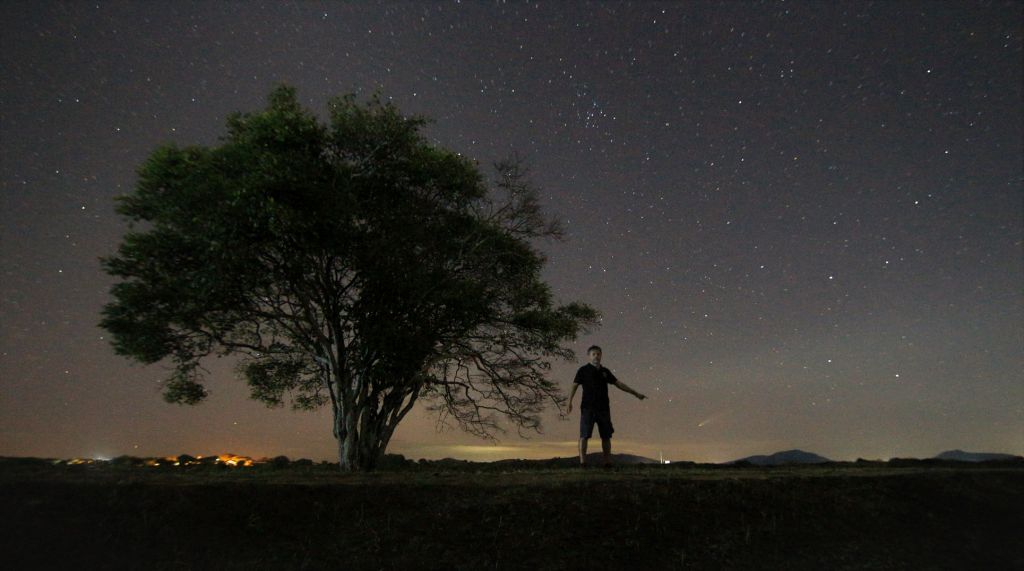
x=595, y=386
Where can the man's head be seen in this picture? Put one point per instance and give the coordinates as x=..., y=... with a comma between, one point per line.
x=594, y=353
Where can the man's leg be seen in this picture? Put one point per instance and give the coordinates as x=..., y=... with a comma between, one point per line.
x=586, y=430
x=604, y=424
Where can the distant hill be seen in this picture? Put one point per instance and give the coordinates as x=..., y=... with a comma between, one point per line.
x=781, y=458
x=961, y=456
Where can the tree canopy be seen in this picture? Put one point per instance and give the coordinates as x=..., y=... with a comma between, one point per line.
x=350, y=264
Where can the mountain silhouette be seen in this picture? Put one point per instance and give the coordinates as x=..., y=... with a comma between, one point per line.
x=961, y=456
x=781, y=458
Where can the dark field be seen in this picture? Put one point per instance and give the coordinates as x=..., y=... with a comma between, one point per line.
x=630, y=517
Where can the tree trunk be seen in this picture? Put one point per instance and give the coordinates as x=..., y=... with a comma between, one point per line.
x=360, y=444
x=360, y=448
x=357, y=450
x=363, y=433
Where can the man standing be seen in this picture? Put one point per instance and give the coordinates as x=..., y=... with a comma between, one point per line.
x=595, y=407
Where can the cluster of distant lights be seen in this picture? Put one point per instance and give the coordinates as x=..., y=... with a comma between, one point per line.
x=221, y=459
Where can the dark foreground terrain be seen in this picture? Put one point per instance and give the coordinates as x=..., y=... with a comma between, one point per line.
x=629, y=517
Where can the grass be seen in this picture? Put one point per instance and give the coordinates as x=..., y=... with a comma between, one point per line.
x=478, y=517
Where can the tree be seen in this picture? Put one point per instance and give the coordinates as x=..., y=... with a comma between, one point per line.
x=351, y=264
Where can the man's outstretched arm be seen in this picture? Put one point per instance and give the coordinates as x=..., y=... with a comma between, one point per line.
x=626, y=388
x=572, y=393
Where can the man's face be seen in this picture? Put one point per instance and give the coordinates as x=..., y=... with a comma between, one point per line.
x=595, y=356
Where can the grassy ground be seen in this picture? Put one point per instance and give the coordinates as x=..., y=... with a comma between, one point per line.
x=630, y=517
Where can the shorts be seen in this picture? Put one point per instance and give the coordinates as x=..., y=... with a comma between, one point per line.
x=603, y=418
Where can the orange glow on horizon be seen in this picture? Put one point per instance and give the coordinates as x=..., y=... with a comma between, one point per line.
x=235, y=460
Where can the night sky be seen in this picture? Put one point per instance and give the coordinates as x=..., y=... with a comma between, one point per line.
x=802, y=221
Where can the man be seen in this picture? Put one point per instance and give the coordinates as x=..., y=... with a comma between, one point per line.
x=595, y=407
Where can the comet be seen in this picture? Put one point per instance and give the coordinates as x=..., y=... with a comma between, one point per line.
x=710, y=419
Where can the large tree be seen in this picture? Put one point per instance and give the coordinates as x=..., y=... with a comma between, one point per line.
x=350, y=264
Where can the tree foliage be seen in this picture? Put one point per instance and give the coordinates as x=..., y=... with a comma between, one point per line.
x=350, y=264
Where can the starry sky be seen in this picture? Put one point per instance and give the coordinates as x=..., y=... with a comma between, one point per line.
x=802, y=221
